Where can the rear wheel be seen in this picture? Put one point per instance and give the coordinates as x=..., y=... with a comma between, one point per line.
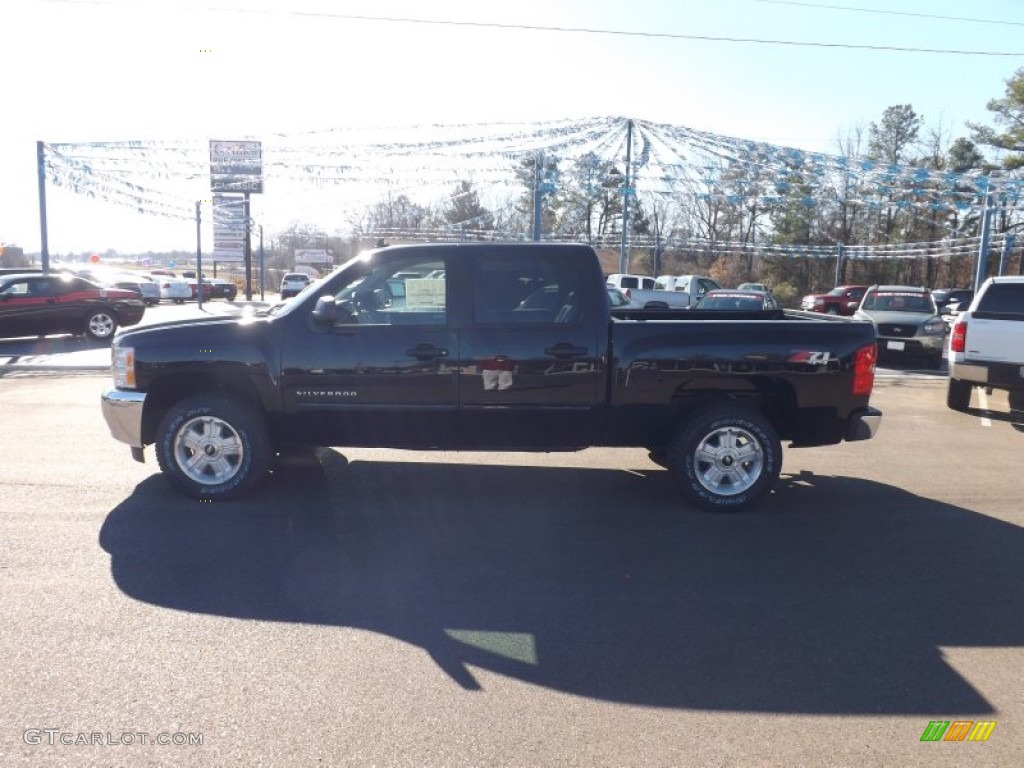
x=213, y=446
x=831, y=311
x=100, y=324
x=958, y=394
x=726, y=458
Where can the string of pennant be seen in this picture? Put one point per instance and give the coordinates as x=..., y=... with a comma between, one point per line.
x=164, y=178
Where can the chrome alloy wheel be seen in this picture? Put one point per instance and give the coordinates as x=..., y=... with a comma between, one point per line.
x=728, y=461
x=208, y=450
x=101, y=325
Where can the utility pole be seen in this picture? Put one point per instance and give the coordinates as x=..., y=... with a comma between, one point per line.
x=248, y=249
x=199, y=257
x=1004, y=256
x=261, y=261
x=986, y=233
x=538, y=195
x=44, y=248
x=626, y=191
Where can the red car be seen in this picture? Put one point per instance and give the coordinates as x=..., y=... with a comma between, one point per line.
x=841, y=300
x=37, y=304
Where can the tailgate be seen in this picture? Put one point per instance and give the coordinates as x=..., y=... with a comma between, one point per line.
x=994, y=340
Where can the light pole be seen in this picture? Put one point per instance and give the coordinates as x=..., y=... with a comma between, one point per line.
x=199, y=258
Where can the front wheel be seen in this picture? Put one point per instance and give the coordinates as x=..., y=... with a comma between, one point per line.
x=958, y=394
x=726, y=458
x=213, y=447
x=100, y=324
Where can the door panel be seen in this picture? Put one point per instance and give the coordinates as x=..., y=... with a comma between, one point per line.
x=530, y=367
x=386, y=372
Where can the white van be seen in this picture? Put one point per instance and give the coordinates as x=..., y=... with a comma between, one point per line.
x=632, y=282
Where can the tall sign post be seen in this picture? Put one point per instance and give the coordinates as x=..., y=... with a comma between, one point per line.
x=236, y=171
x=44, y=247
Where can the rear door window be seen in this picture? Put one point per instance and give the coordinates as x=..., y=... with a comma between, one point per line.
x=1003, y=301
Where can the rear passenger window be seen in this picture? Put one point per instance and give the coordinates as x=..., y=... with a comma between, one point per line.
x=1002, y=300
x=516, y=290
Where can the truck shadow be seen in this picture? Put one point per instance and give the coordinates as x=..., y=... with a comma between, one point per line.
x=835, y=596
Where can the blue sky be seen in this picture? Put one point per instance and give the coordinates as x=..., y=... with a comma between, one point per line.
x=77, y=71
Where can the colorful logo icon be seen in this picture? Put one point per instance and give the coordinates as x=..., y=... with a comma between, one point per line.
x=958, y=730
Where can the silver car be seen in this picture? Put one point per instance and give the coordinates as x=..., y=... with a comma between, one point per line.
x=906, y=320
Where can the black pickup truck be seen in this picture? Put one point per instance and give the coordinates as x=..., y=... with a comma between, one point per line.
x=490, y=347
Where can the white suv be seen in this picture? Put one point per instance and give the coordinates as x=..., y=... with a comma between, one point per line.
x=293, y=283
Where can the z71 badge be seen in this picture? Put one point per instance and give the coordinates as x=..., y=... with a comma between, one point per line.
x=810, y=357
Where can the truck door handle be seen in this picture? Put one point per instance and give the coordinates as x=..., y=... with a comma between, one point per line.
x=564, y=350
x=426, y=352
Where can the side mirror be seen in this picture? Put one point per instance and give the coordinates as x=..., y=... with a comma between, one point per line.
x=326, y=312
x=382, y=299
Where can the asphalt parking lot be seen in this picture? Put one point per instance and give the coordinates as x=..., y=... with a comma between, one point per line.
x=376, y=607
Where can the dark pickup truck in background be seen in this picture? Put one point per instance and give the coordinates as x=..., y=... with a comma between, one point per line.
x=490, y=347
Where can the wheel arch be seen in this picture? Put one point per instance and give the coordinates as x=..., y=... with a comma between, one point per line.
x=774, y=398
x=168, y=390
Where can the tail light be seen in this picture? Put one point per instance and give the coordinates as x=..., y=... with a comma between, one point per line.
x=958, y=337
x=864, y=360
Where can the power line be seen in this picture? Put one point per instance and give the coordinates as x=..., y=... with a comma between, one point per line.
x=573, y=30
x=893, y=13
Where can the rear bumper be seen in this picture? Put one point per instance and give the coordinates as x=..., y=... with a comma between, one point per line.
x=122, y=411
x=1009, y=376
x=863, y=424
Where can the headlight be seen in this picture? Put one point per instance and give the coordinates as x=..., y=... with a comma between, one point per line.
x=123, y=366
x=933, y=328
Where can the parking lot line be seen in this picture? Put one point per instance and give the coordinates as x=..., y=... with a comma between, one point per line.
x=983, y=402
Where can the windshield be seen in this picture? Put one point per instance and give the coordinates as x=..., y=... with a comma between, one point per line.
x=898, y=301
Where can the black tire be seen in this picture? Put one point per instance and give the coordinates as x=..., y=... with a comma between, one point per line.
x=958, y=394
x=746, y=469
x=100, y=324
x=831, y=311
x=233, y=436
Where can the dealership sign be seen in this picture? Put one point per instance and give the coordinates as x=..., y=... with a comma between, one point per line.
x=236, y=166
x=229, y=228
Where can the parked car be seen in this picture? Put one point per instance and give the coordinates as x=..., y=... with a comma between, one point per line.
x=461, y=366
x=841, y=300
x=906, y=321
x=193, y=287
x=176, y=289
x=618, y=299
x=222, y=289
x=293, y=283
x=986, y=345
x=754, y=287
x=735, y=299
x=944, y=297
x=36, y=304
x=144, y=286
x=668, y=291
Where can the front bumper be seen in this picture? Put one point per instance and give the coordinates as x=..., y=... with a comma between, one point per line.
x=122, y=411
x=911, y=345
x=863, y=424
